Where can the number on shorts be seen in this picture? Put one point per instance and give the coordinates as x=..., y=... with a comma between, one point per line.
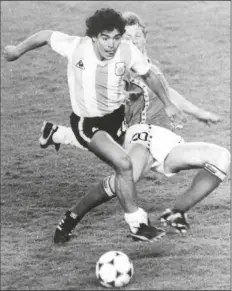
x=143, y=136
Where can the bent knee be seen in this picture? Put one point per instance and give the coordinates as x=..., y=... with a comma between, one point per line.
x=124, y=164
x=222, y=159
x=225, y=158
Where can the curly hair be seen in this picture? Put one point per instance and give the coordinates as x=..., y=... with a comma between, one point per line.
x=104, y=19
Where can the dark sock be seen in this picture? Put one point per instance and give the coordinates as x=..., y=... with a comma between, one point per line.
x=92, y=199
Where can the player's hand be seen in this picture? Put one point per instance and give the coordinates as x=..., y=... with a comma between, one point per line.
x=209, y=118
x=175, y=115
x=10, y=53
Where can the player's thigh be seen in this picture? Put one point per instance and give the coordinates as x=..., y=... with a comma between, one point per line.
x=192, y=155
x=108, y=150
x=141, y=160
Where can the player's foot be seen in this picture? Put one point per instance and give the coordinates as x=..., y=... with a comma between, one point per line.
x=148, y=233
x=48, y=129
x=175, y=219
x=64, y=229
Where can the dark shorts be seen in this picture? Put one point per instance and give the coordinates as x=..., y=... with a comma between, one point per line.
x=85, y=127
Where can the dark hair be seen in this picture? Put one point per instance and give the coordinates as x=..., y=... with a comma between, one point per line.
x=104, y=19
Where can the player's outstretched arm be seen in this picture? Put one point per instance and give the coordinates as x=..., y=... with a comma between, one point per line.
x=159, y=85
x=13, y=52
x=192, y=109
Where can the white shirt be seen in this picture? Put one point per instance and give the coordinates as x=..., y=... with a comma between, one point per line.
x=96, y=87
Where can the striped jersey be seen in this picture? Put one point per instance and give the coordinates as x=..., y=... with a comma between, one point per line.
x=96, y=87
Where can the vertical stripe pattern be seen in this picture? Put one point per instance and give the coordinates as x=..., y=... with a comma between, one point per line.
x=101, y=85
x=96, y=87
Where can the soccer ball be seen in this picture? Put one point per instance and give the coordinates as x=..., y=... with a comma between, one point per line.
x=114, y=269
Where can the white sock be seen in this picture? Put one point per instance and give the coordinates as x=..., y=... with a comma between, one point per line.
x=135, y=218
x=65, y=135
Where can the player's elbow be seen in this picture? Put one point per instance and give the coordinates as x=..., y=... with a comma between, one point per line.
x=153, y=81
x=39, y=39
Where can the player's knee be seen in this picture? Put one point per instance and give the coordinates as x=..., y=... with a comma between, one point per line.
x=219, y=165
x=223, y=159
x=124, y=164
x=226, y=157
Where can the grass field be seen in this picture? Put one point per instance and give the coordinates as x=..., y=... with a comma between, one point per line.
x=191, y=40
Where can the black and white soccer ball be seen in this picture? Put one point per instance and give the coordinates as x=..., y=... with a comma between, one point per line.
x=114, y=269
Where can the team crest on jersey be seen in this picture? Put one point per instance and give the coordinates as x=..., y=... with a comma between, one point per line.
x=120, y=69
x=80, y=65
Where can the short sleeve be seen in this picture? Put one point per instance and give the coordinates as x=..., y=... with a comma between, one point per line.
x=64, y=44
x=139, y=63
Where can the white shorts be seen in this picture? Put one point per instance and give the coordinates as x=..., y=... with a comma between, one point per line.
x=160, y=141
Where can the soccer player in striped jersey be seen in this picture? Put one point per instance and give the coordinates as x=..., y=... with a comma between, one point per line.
x=155, y=148
x=97, y=64
x=143, y=106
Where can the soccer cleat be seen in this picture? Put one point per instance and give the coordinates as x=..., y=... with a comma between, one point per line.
x=64, y=229
x=147, y=233
x=48, y=129
x=175, y=219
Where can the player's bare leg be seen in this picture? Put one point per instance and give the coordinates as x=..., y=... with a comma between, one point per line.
x=214, y=162
x=105, y=190
x=114, y=155
x=110, y=152
x=142, y=164
x=122, y=183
